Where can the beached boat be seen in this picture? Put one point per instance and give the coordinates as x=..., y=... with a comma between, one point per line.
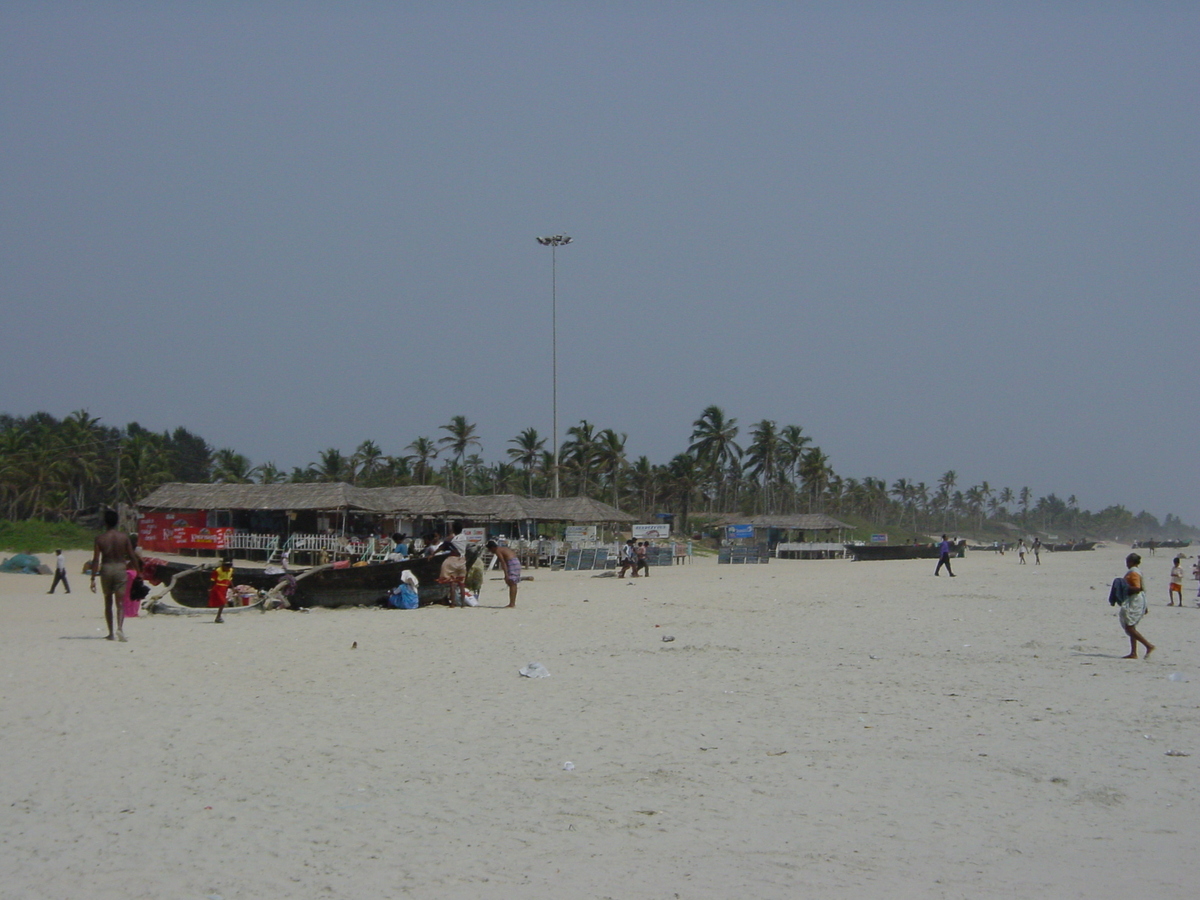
x=365, y=585
x=1072, y=545
x=862, y=552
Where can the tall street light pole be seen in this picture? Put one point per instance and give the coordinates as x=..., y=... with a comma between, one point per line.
x=554, y=241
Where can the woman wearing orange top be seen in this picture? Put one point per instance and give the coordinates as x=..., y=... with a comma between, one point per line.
x=1133, y=607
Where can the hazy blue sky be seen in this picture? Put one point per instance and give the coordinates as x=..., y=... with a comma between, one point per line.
x=935, y=235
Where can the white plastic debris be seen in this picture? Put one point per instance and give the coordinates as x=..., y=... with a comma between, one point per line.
x=535, y=670
x=569, y=766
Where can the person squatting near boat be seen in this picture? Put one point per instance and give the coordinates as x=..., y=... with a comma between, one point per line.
x=1129, y=593
x=511, y=566
x=111, y=552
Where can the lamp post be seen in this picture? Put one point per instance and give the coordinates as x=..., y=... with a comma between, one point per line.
x=554, y=241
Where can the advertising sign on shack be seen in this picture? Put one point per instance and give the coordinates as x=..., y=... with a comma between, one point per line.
x=651, y=532
x=739, y=532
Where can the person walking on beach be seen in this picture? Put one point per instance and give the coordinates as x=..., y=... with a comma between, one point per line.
x=1133, y=607
x=1037, y=551
x=628, y=559
x=1176, y=588
x=944, y=557
x=643, y=565
x=60, y=573
x=112, y=550
x=511, y=566
x=1021, y=552
x=218, y=593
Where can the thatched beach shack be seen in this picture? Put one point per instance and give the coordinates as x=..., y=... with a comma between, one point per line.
x=263, y=517
x=798, y=536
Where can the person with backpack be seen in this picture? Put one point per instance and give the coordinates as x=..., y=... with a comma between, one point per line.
x=1133, y=606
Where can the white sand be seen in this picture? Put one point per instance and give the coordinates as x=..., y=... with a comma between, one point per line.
x=816, y=729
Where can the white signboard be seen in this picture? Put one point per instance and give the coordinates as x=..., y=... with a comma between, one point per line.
x=651, y=532
x=474, y=535
x=581, y=533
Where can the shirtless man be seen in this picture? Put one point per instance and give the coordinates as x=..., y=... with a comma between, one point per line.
x=113, y=550
x=511, y=566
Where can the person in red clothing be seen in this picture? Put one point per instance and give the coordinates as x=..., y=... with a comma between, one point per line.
x=218, y=594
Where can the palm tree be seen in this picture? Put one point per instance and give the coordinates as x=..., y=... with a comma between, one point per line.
x=526, y=452
x=792, y=441
x=580, y=453
x=333, y=466
x=714, y=445
x=762, y=457
x=683, y=477
x=461, y=435
x=903, y=491
x=230, y=467
x=610, y=459
x=815, y=473
x=424, y=451
x=268, y=473
x=365, y=461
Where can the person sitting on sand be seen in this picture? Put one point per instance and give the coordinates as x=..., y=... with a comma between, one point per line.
x=112, y=551
x=1133, y=607
x=218, y=594
x=511, y=567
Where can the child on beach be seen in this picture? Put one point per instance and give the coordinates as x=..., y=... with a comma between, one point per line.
x=1176, y=587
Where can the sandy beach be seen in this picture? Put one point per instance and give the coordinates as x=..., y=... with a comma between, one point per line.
x=828, y=729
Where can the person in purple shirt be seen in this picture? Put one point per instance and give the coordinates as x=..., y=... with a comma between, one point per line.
x=944, y=559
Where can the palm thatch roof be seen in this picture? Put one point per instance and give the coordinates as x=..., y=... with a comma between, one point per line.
x=414, y=500
x=582, y=510
x=798, y=522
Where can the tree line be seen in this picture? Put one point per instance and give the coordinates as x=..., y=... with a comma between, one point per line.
x=55, y=469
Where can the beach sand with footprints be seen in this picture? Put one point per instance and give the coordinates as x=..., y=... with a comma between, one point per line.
x=826, y=729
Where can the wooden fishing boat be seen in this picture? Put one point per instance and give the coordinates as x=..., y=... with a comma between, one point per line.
x=862, y=552
x=331, y=585
x=1071, y=545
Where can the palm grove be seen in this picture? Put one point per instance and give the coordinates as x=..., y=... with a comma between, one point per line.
x=60, y=469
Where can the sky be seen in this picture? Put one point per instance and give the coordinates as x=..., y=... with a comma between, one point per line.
x=937, y=236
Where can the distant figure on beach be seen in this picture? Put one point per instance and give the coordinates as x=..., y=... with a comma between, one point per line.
x=628, y=559
x=1133, y=607
x=1037, y=551
x=1021, y=552
x=1176, y=588
x=218, y=593
x=944, y=557
x=511, y=566
x=643, y=565
x=60, y=573
x=112, y=551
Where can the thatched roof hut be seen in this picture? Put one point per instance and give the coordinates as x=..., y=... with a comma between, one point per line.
x=796, y=522
x=412, y=501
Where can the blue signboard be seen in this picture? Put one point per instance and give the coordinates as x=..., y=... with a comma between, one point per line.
x=879, y=539
x=739, y=532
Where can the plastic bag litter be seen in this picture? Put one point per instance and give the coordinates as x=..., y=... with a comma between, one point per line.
x=535, y=670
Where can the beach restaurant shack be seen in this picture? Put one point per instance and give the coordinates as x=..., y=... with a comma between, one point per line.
x=334, y=517
x=800, y=536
